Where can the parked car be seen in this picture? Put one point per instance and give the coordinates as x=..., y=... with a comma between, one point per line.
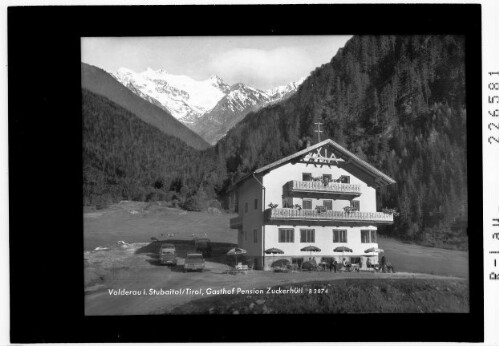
x=203, y=246
x=194, y=261
x=167, y=254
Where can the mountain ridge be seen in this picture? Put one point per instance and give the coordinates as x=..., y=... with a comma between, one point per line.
x=209, y=107
x=100, y=82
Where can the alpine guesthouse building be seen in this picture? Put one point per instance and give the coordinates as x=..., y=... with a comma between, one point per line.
x=323, y=196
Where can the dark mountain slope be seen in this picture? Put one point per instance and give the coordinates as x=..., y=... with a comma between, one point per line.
x=126, y=158
x=214, y=125
x=233, y=108
x=396, y=101
x=100, y=82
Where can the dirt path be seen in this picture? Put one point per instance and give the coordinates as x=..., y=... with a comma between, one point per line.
x=146, y=277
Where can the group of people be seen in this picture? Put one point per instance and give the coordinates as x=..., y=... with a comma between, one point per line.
x=385, y=265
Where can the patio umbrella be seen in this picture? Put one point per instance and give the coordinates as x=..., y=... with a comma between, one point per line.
x=342, y=249
x=373, y=252
x=273, y=251
x=311, y=249
x=236, y=251
x=374, y=249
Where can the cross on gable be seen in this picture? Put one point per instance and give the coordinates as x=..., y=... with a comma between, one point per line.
x=318, y=131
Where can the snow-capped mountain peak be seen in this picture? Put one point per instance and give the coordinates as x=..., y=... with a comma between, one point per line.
x=181, y=95
x=216, y=78
x=188, y=99
x=278, y=92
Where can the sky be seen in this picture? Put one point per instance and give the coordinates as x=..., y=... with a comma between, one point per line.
x=263, y=62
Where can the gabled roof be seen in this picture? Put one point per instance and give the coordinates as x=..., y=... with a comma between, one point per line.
x=349, y=157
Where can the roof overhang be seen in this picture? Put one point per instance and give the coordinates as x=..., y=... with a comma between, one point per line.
x=348, y=159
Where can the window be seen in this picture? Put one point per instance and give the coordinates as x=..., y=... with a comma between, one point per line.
x=307, y=204
x=256, y=203
x=355, y=260
x=328, y=204
x=345, y=179
x=339, y=235
x=373, y=237
x=286, y=235
x=255, y=236
x=327, y=178
x=307, y=176
x=297, y=260
x=236, y=202
x=355, y=205
x=364, y=236
x=246, y=207
x=307, y=236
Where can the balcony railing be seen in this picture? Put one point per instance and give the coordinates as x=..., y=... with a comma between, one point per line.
x=330, y=215
x=236, y=222
x=321, y=187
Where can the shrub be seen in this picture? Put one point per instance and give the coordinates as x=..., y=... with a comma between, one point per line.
x=192, y=204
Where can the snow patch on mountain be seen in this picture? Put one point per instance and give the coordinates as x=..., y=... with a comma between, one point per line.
x=188, y=99
x=182, y=96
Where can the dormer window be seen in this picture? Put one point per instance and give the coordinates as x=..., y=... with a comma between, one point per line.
x=345, y=179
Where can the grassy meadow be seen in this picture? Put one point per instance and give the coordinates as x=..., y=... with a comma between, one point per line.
x=344, y=296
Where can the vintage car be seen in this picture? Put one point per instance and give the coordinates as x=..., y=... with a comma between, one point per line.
x=167, y=254
x=194, y=261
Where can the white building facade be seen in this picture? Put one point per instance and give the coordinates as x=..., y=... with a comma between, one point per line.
x=323, y=196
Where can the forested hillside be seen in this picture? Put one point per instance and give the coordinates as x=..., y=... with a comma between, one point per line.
x=396, y=101
x=126, y=158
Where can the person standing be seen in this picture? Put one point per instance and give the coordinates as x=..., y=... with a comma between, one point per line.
x=333, y=265
x=383, y=264
x=389, y=267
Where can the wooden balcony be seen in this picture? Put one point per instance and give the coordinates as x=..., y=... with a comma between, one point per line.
x=330, y=216
x=318, y=187
x=236, y=222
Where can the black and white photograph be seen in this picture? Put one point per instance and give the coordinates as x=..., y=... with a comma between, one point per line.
x=270, y=175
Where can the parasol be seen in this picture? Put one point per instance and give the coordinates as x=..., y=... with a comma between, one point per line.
x=311, y=249
x=236, y=251
x=342, y=249
x=273, y=251
x=374, y=249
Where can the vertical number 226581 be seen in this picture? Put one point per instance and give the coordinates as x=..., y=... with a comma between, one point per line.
x=493, y=99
